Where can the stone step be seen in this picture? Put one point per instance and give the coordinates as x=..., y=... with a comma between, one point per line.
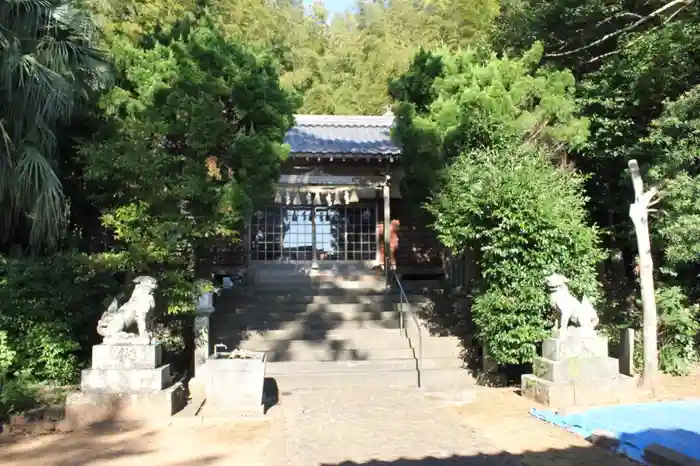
x=293, y=350
x=265, y=298
x=285, y=314
x=333, y=345
x=329, y=353
x=385, y=365
x=381, y=380
x=321, y=335
x=282, y=346
x=261, y=307
x=435, y=343
x=310, y=322
x=447, y=379
x=440, y=379
x=334, y=367
x=340, y=352
x=316, y=285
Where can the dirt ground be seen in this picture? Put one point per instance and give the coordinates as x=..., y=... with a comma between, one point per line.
x=241, y=443
x=500, y=415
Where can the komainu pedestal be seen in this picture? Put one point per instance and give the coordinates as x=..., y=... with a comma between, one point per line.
x=126, y=382
x=575, y=370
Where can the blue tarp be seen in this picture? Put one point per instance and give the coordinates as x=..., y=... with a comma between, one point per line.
x=675, y=425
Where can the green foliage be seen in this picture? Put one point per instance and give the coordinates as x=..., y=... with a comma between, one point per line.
x=639, y=90
x=480, y=132
x=47, y=70
x=17, y=394
x=193, y=140
x=678, y=330
x=50, y=311
x=675, y=142
x=341, y=65
x=500, y=203
x=7, y=356
x=479, y=100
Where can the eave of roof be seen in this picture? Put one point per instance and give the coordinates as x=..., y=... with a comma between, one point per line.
x=341, y=136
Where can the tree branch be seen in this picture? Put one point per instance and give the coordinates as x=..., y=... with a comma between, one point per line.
x=637, y=39
x=618, y=16
x=641, y=198
x=611, y=35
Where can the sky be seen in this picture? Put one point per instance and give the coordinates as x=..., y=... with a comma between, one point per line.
x=334, y=6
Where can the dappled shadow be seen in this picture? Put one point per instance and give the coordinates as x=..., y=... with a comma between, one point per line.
x=305, y=316
x=110, y=441
x=572, y=456
x=271, y=393
x=576, y=456
x=447, y=312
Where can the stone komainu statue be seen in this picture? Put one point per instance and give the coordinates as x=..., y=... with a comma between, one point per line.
x=117, y=319
x=569, y=308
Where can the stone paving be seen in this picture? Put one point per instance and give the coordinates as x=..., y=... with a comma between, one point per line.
x=332, y=427
x=370, y=426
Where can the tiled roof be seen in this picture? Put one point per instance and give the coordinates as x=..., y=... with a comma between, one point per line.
x=328, y=135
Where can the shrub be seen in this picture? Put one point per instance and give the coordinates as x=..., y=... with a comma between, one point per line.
x=50, y=310
x=524, y=219
x=678, y=330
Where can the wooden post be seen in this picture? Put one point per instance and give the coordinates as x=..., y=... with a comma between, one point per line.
x=639, y=213
x=314, y=261
x=386, y=193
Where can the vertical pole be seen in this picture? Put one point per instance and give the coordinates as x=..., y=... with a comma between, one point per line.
x=345, y=232
x=377, y=240
x=282, y=212
x=249, y=242
x=386, y=192
x=314, y=263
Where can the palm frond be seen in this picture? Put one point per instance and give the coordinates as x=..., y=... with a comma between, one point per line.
x=48, y=68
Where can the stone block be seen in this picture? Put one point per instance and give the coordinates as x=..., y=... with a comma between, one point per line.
x=547, y=393
x=235, y=384
x=599, y=392
x=627, y=352
x=87, y=408
x=125, y=356
x=125, y=380
x=202, y=340
x=557, y=349
x=575, y=369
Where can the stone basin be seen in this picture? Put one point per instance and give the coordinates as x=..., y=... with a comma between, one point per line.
x=234, y=381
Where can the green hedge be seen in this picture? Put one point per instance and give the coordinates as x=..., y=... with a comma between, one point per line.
x=49, y=310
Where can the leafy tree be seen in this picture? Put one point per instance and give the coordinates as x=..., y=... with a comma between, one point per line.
x=48, y=68
x=675, y=147
x=637, y=68
x=342, y=65
x=486, y=137
x=193, y=138
x=450, y=103
x=523, y=219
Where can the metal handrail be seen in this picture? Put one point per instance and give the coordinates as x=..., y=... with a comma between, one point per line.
x=404, y=299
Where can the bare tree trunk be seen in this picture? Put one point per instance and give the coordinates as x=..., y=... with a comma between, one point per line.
x=639, y=213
